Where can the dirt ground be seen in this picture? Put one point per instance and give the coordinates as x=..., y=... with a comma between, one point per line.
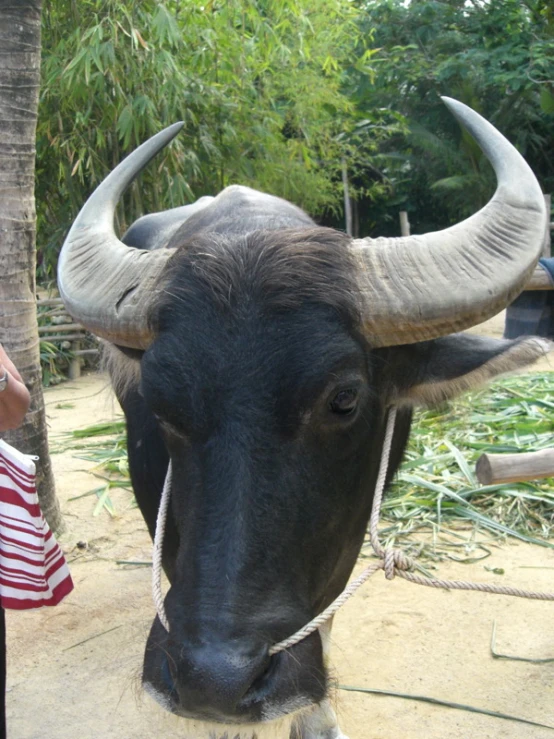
x=74, y=670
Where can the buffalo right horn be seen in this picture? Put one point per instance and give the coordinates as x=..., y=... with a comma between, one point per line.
x=106, y=285
x=416, y=288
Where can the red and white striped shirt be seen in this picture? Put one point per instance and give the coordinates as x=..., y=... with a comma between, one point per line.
x=33, y=570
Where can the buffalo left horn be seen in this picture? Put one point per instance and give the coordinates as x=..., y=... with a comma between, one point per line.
x=106, y=285
x=419, y=287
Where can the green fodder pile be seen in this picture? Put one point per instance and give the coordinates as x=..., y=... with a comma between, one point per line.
x=436, y=507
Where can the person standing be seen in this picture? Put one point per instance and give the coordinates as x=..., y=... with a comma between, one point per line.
x=14, y=404
x=33, y=571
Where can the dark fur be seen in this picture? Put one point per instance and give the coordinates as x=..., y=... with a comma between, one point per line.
x=274, y=270
x=257, y=331
x=253, y=328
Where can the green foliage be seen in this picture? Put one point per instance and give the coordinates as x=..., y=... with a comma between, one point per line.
x=496, y=56
x=105, y=444
x=257, y=84
x=278, y=95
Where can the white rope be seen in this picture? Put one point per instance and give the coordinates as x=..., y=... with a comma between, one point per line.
x=349, y=591
x=392, y=561
x=157, y=553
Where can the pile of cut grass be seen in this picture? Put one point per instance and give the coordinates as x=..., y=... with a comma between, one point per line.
x=435, y=506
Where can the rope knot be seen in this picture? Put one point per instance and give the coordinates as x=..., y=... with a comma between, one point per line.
x=395, y=559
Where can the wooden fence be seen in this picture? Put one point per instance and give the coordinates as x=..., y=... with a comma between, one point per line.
x=64, y=332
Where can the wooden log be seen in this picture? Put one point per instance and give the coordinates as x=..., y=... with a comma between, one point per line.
x=347, y=201
x=53, y=312
x=63, y=337
x=500, y=468
x=46, y=302
x=539, y=280
x=75, y=362
x=85, y=352
x=57, y=327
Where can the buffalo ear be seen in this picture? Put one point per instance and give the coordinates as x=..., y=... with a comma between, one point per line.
x=431, y=372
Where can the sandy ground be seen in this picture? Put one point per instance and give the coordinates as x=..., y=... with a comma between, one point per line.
x=73, y=670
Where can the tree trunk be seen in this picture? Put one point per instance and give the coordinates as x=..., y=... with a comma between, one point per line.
x=19, y=91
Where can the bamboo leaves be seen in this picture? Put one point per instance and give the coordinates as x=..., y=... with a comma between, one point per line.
x=259, y=89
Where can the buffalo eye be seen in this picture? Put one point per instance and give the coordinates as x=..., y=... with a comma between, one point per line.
x=345, y=402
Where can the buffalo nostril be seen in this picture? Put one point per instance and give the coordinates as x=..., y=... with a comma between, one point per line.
x=261, y=683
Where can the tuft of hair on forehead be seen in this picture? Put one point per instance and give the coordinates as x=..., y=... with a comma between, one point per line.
x=277, y=270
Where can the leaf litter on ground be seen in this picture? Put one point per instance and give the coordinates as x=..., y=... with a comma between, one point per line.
x=105, y=444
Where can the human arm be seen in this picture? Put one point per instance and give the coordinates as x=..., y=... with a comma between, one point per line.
x=15, y=398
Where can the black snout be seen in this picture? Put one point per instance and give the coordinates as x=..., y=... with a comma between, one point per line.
x=232, y=680
x=218, y=681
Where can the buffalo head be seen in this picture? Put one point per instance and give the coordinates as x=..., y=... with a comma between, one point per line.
x=260, y=353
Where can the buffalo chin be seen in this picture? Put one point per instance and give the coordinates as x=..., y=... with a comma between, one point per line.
x=312, y=722
x=281, y=727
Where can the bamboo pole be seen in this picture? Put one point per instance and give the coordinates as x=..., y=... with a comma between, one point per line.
x=347, y=203
x=404, y=223
x=546, y=247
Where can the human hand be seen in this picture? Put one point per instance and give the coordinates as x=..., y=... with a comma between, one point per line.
x=15, y=398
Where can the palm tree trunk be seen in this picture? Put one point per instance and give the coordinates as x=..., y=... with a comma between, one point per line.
x=19, y=91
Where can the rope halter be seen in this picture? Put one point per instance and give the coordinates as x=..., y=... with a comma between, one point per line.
x=392, y=561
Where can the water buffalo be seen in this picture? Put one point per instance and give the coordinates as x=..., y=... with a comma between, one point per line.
x=259, y=353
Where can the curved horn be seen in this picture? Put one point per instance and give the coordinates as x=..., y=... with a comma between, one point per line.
x=419, y=287
x=105, y=284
